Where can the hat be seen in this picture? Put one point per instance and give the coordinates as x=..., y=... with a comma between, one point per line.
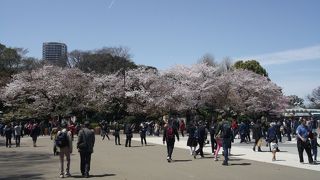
x=86, y=123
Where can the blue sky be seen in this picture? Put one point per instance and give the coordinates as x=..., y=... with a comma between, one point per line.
x=282, y=35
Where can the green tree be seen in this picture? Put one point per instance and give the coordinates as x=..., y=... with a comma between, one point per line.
x=251, y=65
x=9, y=63
x=103, y=61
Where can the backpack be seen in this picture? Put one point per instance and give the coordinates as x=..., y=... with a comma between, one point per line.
x=226, y=131
x=170, y=134
x=62, y=140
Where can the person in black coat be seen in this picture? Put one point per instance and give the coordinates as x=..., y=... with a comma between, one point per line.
x=201, y=130
x=128, y=131
x=116, y=134
x=212, y=130
x=169, y=134
x=35, y=132
x=192, y=140
x=257, y=135
x=143, y=132
x=8, y=133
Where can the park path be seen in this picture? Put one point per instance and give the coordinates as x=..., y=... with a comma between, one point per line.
x=284, y=157
x=138, y=163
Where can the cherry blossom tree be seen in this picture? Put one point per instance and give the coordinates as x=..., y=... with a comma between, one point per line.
x=48, y=91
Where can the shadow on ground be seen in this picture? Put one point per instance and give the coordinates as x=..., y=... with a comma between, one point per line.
x=24, y=176
x=94, y=176
x=22, y=164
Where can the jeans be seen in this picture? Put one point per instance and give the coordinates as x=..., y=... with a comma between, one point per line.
x=85, y=162
x=200, y=149
x=315, y=153
x=225, y=145
x=18, y=140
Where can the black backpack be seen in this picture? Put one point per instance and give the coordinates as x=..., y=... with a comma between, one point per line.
x=62, y=140
x=226, y=130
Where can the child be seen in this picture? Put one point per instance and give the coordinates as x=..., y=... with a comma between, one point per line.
x=314, y=147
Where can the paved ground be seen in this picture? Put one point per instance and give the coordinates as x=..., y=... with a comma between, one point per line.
x=139, y=163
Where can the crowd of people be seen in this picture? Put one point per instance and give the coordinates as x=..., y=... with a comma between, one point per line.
x=222, y=134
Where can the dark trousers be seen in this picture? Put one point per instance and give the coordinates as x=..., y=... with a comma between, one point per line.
x=279, y=137
x=289, y=135
x=200, y=149
x=117, y=139
x=182, y=133
x=170, y=146
x=304, y=146
x=143, y=138
x=225, y=145
x=315, y=153
x=18, y=140
x=85, y=162
x=8, y=141
x=213, y=143
x=128, y=140
x=104, y=135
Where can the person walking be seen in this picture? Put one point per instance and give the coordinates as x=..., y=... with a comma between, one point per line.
x=257, y=135
x=53, y=135
x=116, y=134
x=224, y=129
x=143, y=132
x=242, y=132
x=17, y=132
x=8, y=133
x=303, y=142
x=201, y=135
x=128, y=131
x=63, y=142
x=192, y=140
x=85, y=146
x=169, y=134
x=272, y=140
x=104, y=130
x=288, y=127
x=182, y=127
x=35, y=132
x=314, y=146
x=212, y=131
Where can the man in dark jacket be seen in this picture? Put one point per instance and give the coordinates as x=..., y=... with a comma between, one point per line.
x=257, y=135
x=128, y=131
x=169, y=134
x=85, y=145
x=8, y=133
x=201, y=130
x=35, y=132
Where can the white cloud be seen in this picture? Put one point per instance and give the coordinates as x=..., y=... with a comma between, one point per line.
x=283, y=57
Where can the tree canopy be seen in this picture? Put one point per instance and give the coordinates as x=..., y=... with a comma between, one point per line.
x=251, y=65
